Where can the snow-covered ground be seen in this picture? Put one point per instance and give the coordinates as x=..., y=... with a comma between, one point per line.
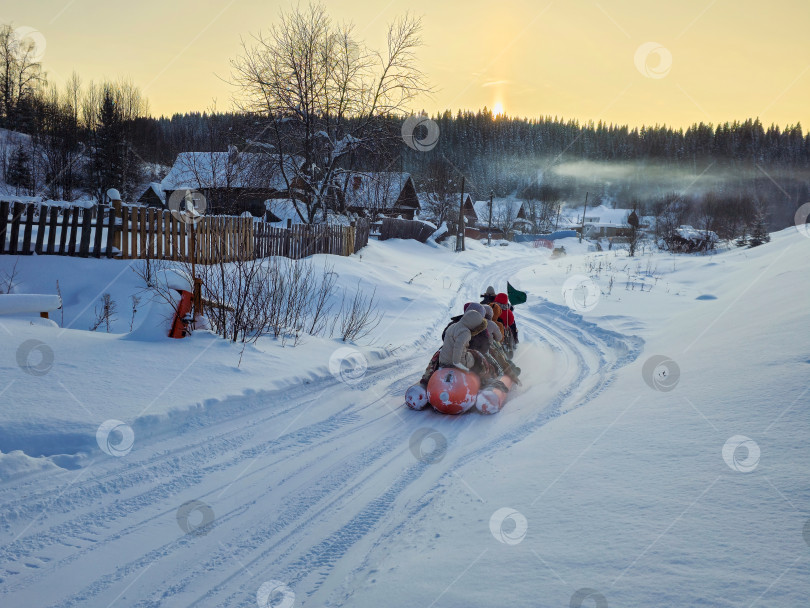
x=656, y=454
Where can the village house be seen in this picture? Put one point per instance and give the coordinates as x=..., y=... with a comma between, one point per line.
x=153, y=196
x=232, y=182
x=379, y=194
x=508, y=215
x=601, y=222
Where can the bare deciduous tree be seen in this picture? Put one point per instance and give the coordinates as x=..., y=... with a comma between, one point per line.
x=20, y=74
x=321, y=93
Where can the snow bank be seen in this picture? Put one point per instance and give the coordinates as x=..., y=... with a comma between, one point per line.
x=12, y=304
x=17, y=463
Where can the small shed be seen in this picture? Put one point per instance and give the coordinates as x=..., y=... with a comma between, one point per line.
x=153, y=196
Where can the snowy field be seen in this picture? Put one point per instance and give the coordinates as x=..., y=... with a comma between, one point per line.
x=655, y=455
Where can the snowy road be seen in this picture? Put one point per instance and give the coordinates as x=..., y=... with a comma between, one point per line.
x=308, y=487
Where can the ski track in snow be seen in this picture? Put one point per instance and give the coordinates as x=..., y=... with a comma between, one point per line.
x=293, y=483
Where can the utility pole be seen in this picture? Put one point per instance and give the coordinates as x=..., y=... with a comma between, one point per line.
x=460, y=238
x=489, y=223
x=582, y=229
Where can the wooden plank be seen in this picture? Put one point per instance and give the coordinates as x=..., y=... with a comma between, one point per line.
x=217, y=237
x=4, y=207
x=125, y=232
x=229, y=227
x=111, y=231
x=74, y=232
x=237, y=248
x=217, y=244
x=87, y=219
x=53, y=225
x=195, y=245
x=175, y=236
x=195, y=240
x=131, y=244
x=239, y=235
x=43, y=218
x=28, y=230
x=99, y=233
x=226, y=238
x=165, y=218
x=142, y=253
x=14, y=235
x=63, y=230
x=213, y=248
x=206, y=253
x=167, y=234
x=181, y=227
x=243, y=246
x=155, y=237
x=199, y=240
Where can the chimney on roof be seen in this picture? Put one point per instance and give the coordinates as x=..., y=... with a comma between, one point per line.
x=356, y=181
x=233, y=154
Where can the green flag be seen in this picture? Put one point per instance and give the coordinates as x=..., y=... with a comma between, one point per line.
x=515, y=296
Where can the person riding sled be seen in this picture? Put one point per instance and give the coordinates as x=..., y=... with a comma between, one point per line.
x=507, y=316
x=496, y=353
x=456, y=350
x=479, y=341
x=488, y=297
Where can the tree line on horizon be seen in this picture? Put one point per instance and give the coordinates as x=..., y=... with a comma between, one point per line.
x=85, y=139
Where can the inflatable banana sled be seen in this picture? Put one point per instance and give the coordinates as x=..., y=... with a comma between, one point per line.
x=454, y=391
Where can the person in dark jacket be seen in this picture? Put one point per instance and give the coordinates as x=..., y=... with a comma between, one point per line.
x=488, y=297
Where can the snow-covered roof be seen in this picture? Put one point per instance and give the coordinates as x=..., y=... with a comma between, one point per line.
x=599, y=215
x=693, y=234
x=426, y=199
x=373, y=190
x=157, y=188
x=285, y=209
x=503, y=210
x=229, y=170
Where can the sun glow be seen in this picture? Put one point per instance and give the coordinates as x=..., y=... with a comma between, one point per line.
x=497, y=110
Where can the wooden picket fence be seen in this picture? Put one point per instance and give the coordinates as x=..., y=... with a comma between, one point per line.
x=157, y=234
x=51, y=230
x=300, y=240
x=145, y=232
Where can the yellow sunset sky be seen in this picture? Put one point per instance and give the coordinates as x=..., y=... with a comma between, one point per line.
x=630, y=62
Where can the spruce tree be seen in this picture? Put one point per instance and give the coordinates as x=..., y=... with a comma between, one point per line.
x=18, y=173
x=759, y=232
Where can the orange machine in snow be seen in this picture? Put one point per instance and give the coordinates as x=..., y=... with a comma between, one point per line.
x=180, y=323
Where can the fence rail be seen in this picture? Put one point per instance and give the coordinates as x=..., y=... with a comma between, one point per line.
x=145, y=232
